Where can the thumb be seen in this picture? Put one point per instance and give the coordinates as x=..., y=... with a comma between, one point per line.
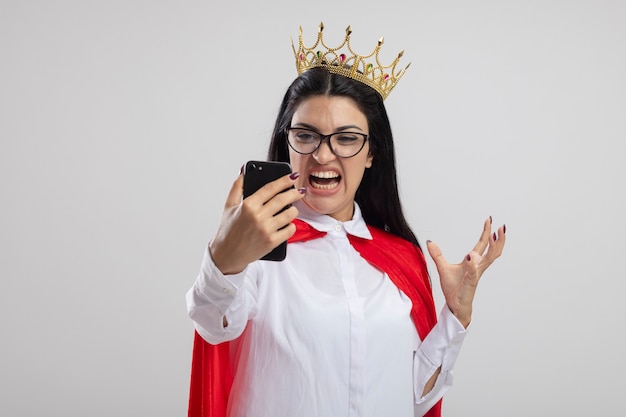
x=236, y=192
x=435, y=252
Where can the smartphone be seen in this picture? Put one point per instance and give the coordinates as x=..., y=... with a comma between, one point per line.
x=256, y=175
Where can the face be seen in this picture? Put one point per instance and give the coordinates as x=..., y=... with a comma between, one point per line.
x=331, y=181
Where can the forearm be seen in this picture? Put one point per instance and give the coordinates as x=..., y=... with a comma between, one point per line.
x=220, y=305
x=435, y=359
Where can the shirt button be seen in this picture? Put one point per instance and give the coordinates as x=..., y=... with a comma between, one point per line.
x=338, y=227
x=227, y=291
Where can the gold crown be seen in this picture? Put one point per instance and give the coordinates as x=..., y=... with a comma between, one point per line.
x=348, y=63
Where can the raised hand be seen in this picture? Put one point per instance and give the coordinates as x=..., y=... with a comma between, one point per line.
x=459, y=281
x=251, y=227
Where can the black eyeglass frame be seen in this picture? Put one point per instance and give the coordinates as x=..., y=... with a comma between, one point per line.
x=325, y=138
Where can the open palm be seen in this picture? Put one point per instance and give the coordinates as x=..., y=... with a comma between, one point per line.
x=459, y=281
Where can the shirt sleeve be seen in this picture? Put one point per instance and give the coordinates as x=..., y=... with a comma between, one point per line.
x=439, y=349
x=215, y=296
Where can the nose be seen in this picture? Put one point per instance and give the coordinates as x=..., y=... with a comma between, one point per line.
x=324, y=154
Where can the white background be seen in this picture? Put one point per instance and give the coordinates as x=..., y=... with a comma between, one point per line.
x=124, y=123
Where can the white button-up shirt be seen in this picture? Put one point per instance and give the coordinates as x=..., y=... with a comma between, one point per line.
x=322, y=333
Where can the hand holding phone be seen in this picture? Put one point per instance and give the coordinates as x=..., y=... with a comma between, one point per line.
x=256, y=175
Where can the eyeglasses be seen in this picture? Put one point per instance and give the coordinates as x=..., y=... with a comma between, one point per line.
x=343, y=144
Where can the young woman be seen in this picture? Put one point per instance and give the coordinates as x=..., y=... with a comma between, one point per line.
x=345, y=325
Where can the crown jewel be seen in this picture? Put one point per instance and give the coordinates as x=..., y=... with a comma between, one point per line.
x=344, y=61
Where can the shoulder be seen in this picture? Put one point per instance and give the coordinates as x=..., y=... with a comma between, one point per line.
x=396, y=246
x=387, y=238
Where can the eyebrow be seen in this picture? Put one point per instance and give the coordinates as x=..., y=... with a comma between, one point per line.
x=339, y=129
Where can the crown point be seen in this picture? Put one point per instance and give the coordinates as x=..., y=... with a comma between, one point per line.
x=348, y=30
x=381, y=41
x=321, y=26
x=400, y=54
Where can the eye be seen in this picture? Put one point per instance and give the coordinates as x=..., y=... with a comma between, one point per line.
x=347, y=138
x=304, y=135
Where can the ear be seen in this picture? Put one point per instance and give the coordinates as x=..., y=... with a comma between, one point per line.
x=368, y=161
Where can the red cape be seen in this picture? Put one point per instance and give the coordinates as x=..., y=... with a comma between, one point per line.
x=404, y=263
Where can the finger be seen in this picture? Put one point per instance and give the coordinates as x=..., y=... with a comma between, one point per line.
x=236, y=192
x=269, y=190
x=483, y=242
x=435, y=253
x=282, y=200
x=283, y=219
x=286, y=232
x=496, y=244
x=281, y=231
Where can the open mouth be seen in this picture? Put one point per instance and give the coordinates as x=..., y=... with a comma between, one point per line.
x=324, y=180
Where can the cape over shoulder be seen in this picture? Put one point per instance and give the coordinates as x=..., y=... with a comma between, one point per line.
x=403, y=262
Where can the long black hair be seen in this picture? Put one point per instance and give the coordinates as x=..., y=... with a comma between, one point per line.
x=377, y=195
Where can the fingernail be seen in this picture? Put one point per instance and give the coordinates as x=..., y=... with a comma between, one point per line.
x=504, y=228
x=241, y=170
x=490, y=220
x=428, y=241
x=469, y=258
x=494, y=236
x=302, y=190
x=294, y=175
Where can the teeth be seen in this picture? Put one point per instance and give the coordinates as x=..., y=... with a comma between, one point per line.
x=325, y=174
x=326, y=186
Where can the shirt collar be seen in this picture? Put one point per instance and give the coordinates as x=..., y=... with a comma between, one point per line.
x=324, y=223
